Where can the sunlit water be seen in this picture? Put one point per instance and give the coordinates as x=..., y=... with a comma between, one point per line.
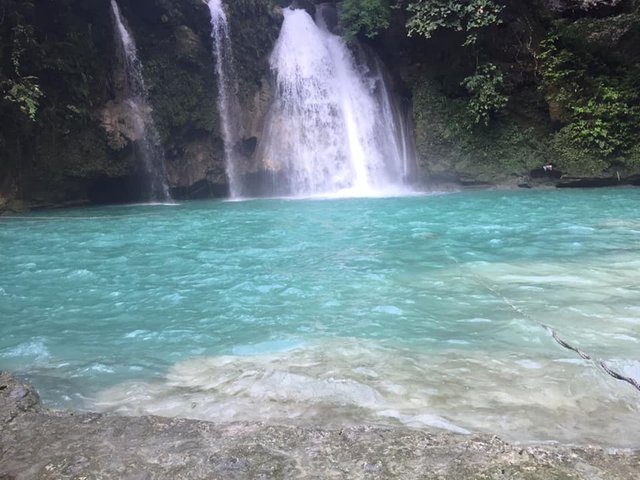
x=391, y=311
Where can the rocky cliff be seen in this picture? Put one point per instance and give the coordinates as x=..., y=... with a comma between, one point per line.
x=548, y=82
x=76, y=142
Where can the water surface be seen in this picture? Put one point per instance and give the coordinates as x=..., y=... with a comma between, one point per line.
x=422, y=311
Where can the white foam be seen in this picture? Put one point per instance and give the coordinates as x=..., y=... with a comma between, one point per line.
x=350, y=382
x=389, y=309
x=528, y=364
x=424, y=421
x=35, y=349
x=333, y=128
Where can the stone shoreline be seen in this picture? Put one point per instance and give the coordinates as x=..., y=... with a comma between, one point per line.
x=38, y=443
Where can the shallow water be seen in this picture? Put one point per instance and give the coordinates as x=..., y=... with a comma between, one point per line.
x=423, y=311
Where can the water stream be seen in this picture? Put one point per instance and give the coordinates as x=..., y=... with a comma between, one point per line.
x=147, y=145
x=228, y=105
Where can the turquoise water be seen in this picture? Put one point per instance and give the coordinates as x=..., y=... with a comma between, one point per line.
x=420, y=311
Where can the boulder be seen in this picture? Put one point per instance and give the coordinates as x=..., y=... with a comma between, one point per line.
x=16, y=398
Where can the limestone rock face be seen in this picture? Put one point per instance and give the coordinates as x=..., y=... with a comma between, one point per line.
x=84, y=134
x=117, y=121
x=199, y=160
x=255, y=112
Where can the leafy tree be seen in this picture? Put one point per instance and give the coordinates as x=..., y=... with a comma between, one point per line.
x=465, y=16
x=485, y=90
x=607, y=121
x=486, y=85
x=24, y=92
x=18, y=40
x=367, y=17
x=598, y=105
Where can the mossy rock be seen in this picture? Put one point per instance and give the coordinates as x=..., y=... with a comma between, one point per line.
x=449, y=144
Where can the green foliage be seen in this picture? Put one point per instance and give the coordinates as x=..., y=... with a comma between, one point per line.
x=25, y=93
x=464, y=16
x=598, y=104
x=607, y=121
x=368, y=17
x=17, y=88
x=562, y=72
x=447, y=144
x=486, y=85
x=485, y=88
x=572, y=157
x=632, y=158
x=179, y=97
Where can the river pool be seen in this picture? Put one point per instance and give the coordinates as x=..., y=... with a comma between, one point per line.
x=422, y=311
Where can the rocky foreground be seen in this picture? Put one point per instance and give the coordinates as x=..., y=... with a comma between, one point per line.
x=37, y=443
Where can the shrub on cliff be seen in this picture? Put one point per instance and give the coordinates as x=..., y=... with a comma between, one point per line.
x=16, y=87
x=469, y=17
x=366, y=17
x=591, y=82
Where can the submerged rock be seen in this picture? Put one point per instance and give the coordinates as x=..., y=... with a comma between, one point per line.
x=38, y=443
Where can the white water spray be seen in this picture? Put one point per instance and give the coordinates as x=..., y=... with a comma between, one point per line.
x=147, y=145
x=228, y=105
x=333, y=126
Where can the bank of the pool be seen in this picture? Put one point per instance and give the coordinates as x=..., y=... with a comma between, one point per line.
x=38, y=443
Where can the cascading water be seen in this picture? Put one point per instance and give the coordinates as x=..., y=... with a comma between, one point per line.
x=147, y=140
x=333, y=127
x=228, y=105
x=395, y=126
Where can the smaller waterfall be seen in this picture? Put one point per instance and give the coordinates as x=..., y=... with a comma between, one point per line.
x=394, y=125
x=147, y=143
x=228, y=105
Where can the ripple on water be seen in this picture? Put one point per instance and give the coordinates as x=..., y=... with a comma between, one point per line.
x=82, y=274
x=388, y=309
x=34, y=350
x=345, y=383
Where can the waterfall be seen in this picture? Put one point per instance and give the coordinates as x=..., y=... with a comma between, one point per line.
x=395, y=127
x=228, y=105
x=147, y=143
x=334, y=127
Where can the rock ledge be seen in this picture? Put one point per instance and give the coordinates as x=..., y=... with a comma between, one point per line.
x=36, y=443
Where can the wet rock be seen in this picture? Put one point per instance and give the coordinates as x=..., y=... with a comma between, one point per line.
x=40, y=444
x=16, y=398
x=117, y=120
x=200, y=159
x=579, y=182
